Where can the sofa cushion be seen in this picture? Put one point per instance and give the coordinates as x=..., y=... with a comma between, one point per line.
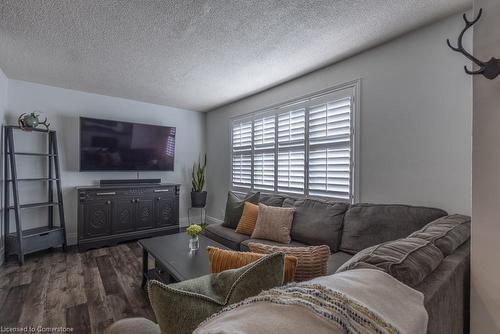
x=273, y=223
x=312, y=260
x=271, y=200
x=244, y=244
x=409, y=260
x=224, y=235
x=317, y=222
x=223, y=259
x=180, y=307
x=446, y=233
x=336, y=260
x=366, y=225
x=234, y=207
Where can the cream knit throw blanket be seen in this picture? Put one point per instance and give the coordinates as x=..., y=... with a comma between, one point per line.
x=331, y=304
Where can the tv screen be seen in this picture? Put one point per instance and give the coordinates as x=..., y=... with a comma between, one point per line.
x=113, y=145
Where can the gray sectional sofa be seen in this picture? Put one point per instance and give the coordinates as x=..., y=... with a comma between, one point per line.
x=349, y=229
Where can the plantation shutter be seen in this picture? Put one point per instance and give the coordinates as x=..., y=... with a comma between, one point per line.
x=263, y=158
x=304, y=147
x=330, y=149
x=242, y=154
x=291, y=151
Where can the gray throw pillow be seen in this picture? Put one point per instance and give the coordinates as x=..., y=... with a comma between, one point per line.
x=271, y=200
x=317, y=222
x=409, y=260
x=446, y=233
x=234, y=208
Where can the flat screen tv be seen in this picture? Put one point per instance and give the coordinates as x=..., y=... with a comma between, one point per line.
x=107, y=145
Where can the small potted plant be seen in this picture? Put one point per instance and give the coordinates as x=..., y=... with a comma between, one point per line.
x=193, y=231
x=198, y=196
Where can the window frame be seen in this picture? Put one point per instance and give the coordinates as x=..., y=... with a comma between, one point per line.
x=355, y=87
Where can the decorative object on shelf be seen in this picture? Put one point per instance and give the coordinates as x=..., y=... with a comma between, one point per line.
x=193, y=231
x=489, y=69
x=198, y=196
x=31, y=121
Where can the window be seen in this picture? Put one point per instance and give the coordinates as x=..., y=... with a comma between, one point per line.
x=304, y=147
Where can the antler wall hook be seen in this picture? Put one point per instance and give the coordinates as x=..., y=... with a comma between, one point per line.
x=491, y=68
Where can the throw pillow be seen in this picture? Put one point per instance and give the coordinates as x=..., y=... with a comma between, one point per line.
x=248, y=219
x=181, y=307
x=446, y=233
x=273, y=224
x=221, y=259
x=409, y=260
x=312, y=261
x=234, y=208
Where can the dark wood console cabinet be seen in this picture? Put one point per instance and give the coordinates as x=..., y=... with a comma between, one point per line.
x=111, y=214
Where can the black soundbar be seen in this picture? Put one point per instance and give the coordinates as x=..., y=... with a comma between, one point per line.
x=129, y=181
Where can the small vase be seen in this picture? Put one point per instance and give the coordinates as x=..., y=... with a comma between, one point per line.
x=194, y=243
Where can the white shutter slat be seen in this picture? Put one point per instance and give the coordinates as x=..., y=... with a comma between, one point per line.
x=242, y=134
x=242, y=170
x=264, y=132
x=241, y=156
x=263, y=171
x=291, y=171
x=291, y=125
x=291, y=151
x=329, y=160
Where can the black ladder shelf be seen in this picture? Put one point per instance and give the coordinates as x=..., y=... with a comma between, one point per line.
x=25, y=241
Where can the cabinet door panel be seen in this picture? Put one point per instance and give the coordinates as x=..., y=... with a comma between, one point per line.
x=123, y=215
x=97, y=216
x=166, y=210
x=145, y=213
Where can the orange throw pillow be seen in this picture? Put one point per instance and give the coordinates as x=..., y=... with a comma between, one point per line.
x=221, y=259
x=248, y=219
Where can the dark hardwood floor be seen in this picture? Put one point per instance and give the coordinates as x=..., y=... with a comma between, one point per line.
x=85, y=291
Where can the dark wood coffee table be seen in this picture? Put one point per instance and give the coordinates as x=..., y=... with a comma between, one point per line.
x=174, y=262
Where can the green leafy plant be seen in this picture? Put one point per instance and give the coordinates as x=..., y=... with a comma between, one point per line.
x=198, y=175
x=194, y=230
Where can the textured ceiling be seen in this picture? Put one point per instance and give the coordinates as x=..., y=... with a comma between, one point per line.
x=194, y=54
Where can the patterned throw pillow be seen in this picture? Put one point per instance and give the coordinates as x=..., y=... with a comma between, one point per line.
x=248, y=219
x=234, y=208
x=312, y=261
x=221, y=259
x=273, y=224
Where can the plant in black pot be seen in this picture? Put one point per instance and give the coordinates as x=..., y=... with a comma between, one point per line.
x=198, y=196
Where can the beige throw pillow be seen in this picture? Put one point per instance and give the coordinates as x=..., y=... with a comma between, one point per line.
x=312, y=260
x=273, y=223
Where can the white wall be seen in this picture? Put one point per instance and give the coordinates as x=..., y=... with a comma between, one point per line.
x=3, y=106
x=485, y=269
x=416, y=106
x=63, y=107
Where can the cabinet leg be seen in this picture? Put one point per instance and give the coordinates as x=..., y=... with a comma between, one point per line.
x=145, y=258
